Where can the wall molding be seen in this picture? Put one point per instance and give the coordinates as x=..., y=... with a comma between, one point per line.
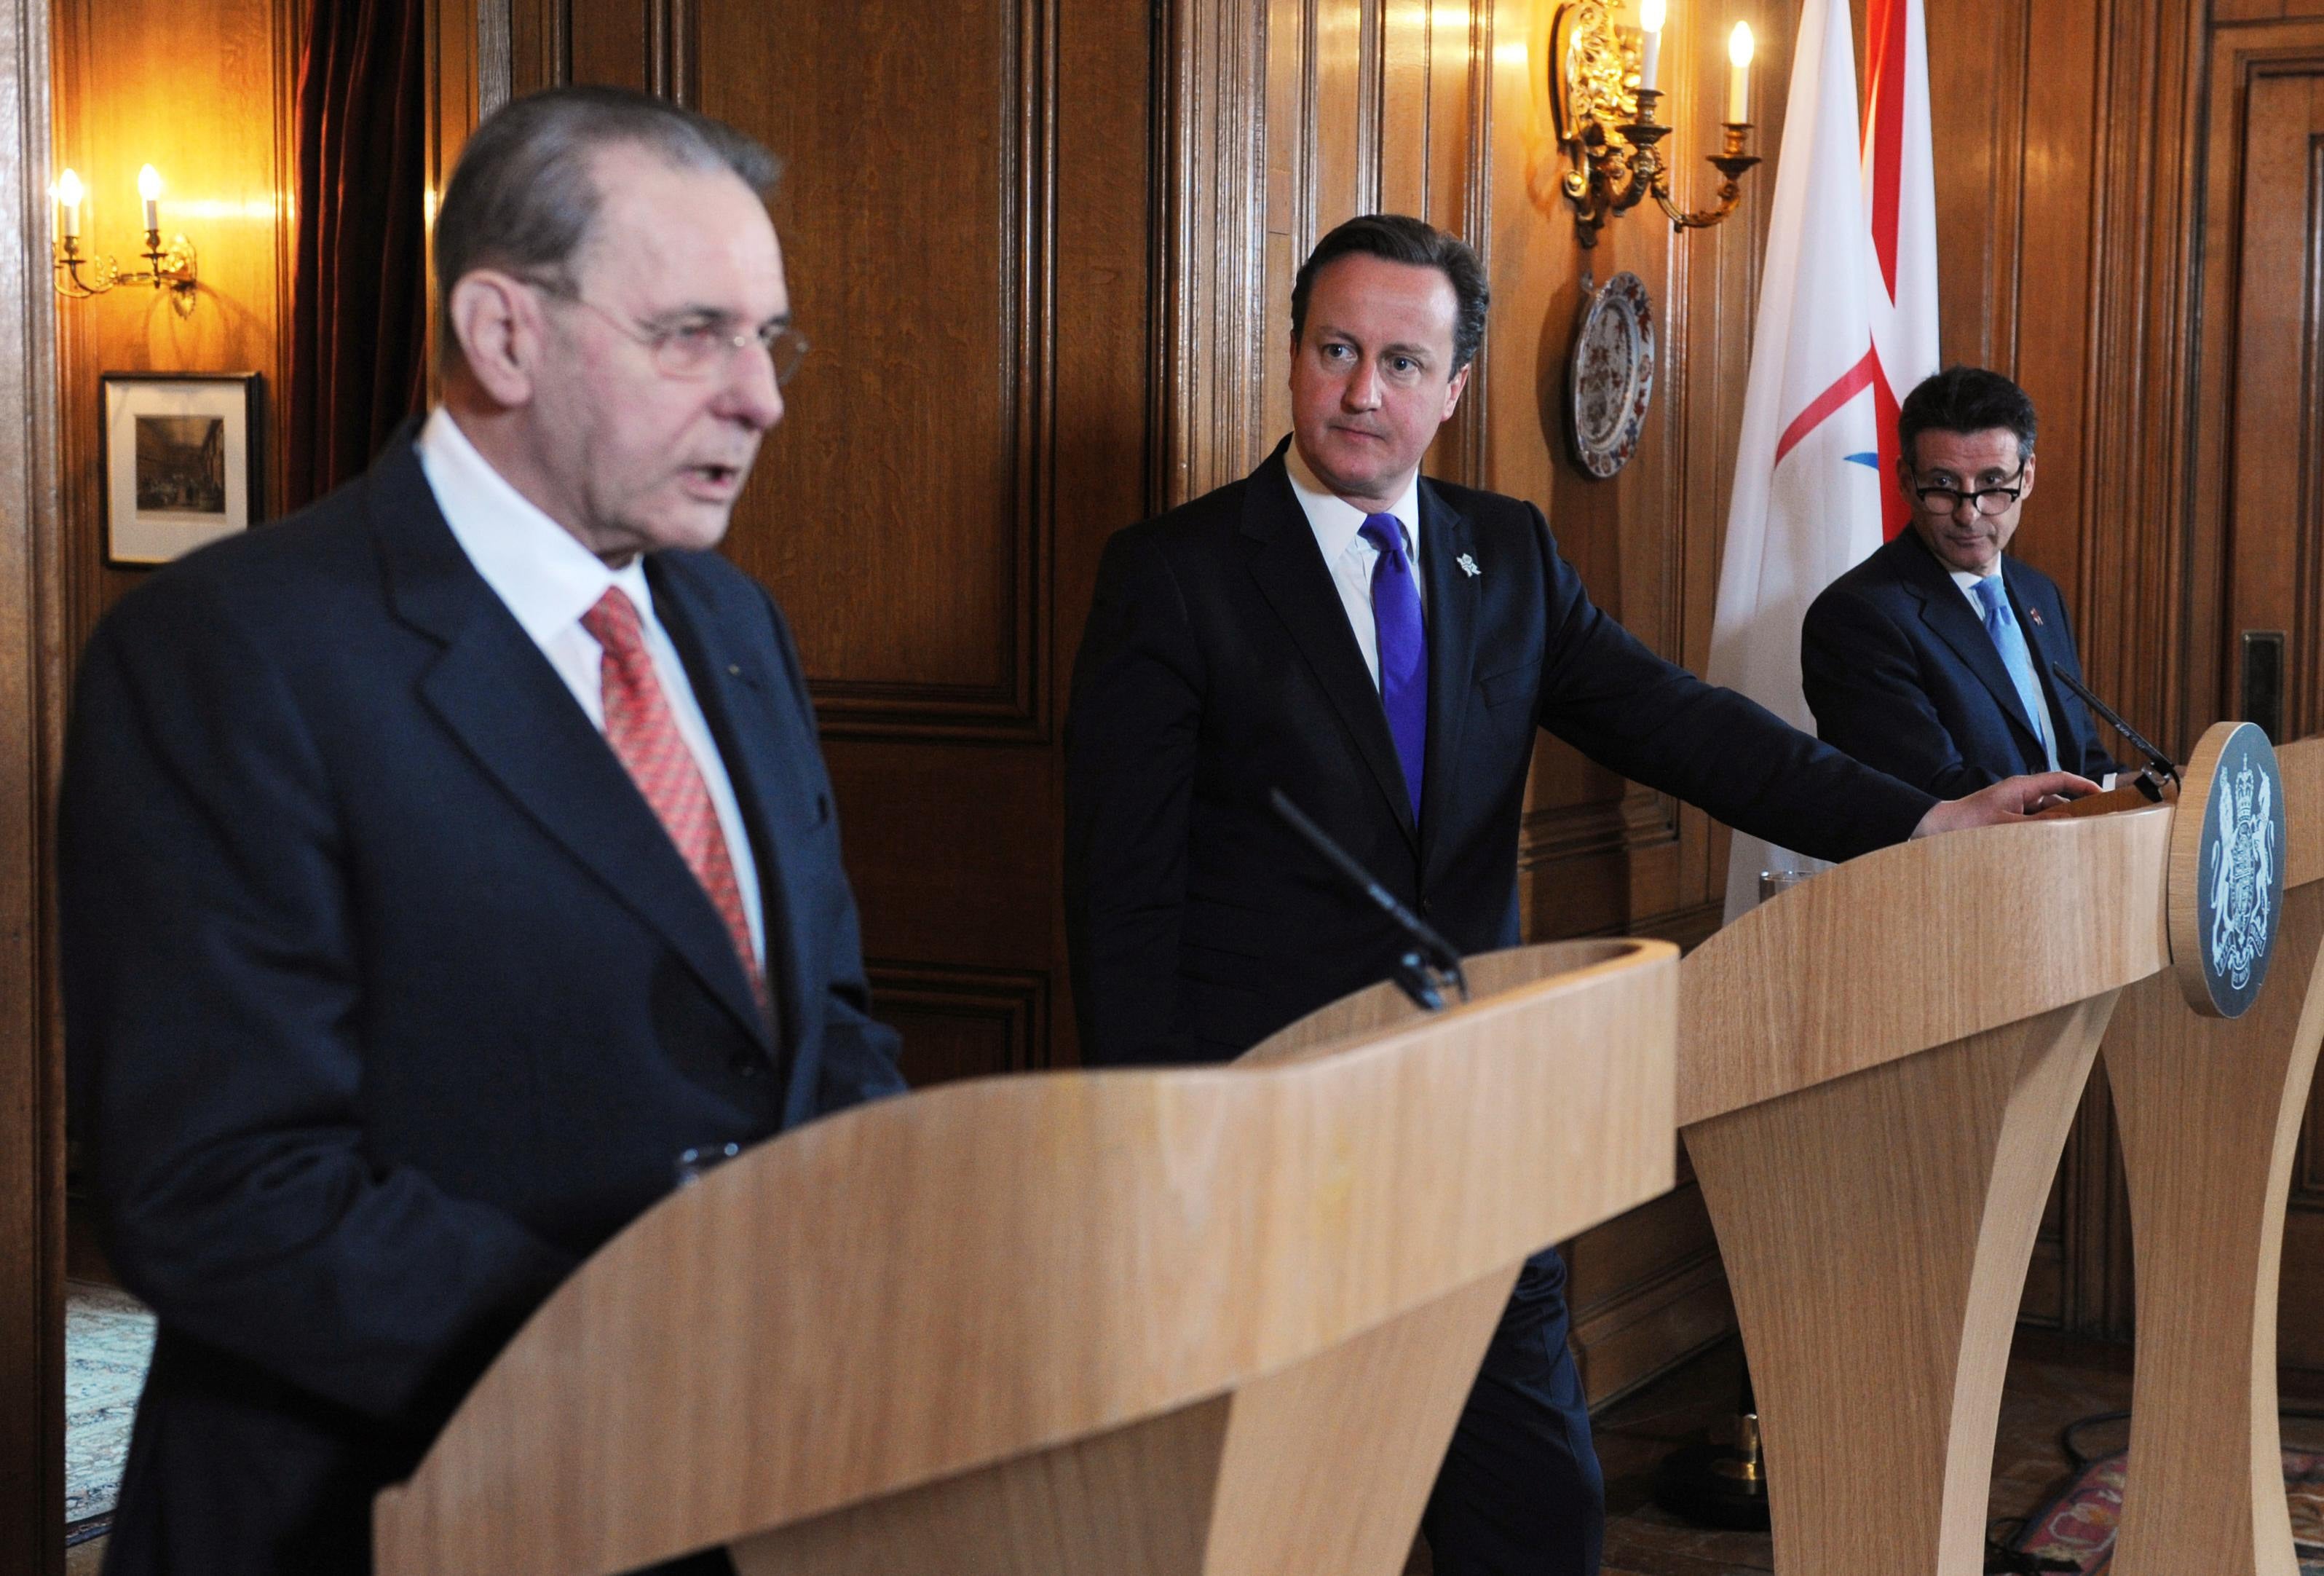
x=1211, y=317
x=1018, y=1001
x=32, y=680
x=1015, y=709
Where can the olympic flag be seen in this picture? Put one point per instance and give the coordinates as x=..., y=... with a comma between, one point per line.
x=1810, y=485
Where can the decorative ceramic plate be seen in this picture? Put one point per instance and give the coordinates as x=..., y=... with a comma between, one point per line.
x=1611, y=381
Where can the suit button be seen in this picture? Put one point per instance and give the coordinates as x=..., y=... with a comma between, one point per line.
x=1426, y=908
x=746, y=1064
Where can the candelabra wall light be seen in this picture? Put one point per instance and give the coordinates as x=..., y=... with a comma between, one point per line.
x=1602, y=80
x=79, y=276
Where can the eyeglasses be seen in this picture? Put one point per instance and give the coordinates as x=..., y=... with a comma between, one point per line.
x=1990, y=500
x=700, y=348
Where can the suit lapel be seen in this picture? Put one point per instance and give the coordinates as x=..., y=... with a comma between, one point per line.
x=1948, y=616
x=733, y=688
x=1452, y=591
x=496, y=691
x=1292, y=575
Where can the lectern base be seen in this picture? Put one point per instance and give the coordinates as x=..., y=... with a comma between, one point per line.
x=1703, y=1485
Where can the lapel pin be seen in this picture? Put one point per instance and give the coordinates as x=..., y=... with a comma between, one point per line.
x=2035, y=614
x=1468, y=564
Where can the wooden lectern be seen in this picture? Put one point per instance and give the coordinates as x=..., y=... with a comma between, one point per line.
x=1877, y=1071
x=1216, y=1320
x=2209, y=1112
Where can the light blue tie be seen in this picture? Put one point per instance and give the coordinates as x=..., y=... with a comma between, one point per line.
x=2001, y=622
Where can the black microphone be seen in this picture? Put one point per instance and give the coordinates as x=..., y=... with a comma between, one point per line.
x=2155, y=759
x=1422, y=973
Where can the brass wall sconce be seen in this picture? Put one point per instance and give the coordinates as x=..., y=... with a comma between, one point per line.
x=80, y=277
x=1601, y=80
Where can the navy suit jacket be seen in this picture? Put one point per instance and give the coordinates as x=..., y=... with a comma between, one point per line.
x=388, y=998
x=1219, y=662
x=1901, y=675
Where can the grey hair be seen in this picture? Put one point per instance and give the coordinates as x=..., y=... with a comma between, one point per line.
x=523, y=199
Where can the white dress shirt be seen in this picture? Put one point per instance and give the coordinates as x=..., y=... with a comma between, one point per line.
x=1339, y=527
x=548, y=579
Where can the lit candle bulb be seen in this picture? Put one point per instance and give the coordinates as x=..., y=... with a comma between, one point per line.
x=68, y=193
x=1738, y=85
x=1651, y=14
x=148, y=187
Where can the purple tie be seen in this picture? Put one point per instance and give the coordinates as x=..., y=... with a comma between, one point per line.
x=1403, y=649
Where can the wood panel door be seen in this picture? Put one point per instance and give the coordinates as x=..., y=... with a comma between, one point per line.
x=965, y=214
x=2263, y=420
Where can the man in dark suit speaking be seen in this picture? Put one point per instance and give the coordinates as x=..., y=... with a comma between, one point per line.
x=1383, y=648
x=1931, y=658
x=437, y=865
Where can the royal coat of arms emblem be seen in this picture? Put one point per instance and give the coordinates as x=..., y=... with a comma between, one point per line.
x=2228, y=851
x=2241, y=867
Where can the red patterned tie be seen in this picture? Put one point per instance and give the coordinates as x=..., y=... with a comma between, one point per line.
x=645, y=736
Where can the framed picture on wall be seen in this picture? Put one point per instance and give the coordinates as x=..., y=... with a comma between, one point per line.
x=179, y=455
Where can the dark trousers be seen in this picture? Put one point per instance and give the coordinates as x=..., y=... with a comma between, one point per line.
x=1520, y=1493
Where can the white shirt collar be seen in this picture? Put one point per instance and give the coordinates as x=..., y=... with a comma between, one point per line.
x=536, y=566
x=1334, y=520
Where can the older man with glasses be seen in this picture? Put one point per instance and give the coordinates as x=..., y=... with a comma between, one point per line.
x=1931, y=659
x=444, y=867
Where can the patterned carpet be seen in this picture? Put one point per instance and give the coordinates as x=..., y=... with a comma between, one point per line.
x=108, y=1342
x=2080, y=1524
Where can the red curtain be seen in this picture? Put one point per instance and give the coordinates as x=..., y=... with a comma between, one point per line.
x=359, y=289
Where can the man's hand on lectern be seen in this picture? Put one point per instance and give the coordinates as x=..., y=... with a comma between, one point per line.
x=2011, y=799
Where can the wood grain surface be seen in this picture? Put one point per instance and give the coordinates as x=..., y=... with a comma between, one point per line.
x=1877, y=1071
x=32, y=661
x=2209, y=1112
x=823, y=1324
x=1875, y=1229
x=1916, y=946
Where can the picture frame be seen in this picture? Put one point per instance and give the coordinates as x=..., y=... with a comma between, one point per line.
x=179, y=457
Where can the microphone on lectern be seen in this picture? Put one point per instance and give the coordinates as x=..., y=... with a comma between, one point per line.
x=1434, y=962
x=2158, y=765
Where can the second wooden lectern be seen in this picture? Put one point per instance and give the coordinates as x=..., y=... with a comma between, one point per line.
x=1877, y=1072
x=1216, y=1321
x=2209, y=1112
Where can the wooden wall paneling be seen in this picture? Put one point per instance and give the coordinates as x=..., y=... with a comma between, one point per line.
x=672, y=69
x=1101, y=460
x=1284, y=218
x=913, y=574
x=607, y=42
x=540, y=43
x=31, y=696
x=2253, y=143
x=965, y=1022
x=1455, y=177
x=1402, y=104
x=2256, y=531
x=1230, y=78
x=1977, y=112
x=2269, y=572
x=1341, y=124
x=970, y=231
